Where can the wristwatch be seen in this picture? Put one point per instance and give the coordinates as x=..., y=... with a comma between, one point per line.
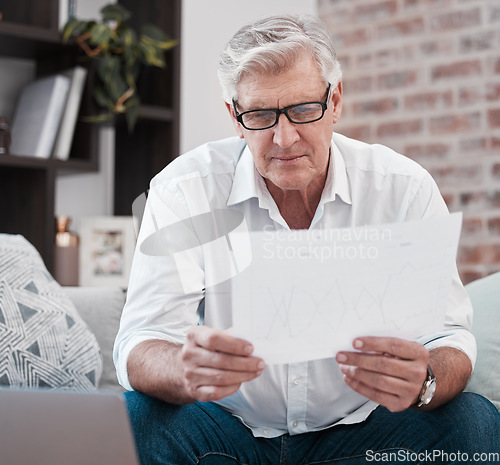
x=428, y=388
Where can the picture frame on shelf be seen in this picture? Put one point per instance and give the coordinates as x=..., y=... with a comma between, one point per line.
x=106, y=250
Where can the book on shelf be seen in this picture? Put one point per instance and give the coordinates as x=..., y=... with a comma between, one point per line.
x=64, y=138
x=38, y=115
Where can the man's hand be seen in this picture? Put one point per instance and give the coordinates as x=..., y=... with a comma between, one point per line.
x=389, y=371
x=211, y=365
x=215, y=363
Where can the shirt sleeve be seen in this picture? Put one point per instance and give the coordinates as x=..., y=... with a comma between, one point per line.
x=428, y=203
x=166, y=283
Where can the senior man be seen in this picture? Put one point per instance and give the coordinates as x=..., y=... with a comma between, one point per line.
x=198, y=395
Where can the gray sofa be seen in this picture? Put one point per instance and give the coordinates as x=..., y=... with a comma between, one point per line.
x=101, y=308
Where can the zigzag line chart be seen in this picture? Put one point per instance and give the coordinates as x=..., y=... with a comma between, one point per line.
x=294, y=303
x=327, y=316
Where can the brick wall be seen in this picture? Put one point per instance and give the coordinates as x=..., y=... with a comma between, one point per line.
x=423, y=77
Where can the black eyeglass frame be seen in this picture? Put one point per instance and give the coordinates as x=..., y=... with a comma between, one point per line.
x=278, y=112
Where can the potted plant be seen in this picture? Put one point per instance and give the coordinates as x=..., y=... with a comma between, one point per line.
x=119, y=52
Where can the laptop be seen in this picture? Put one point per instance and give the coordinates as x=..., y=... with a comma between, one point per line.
x=42, y=427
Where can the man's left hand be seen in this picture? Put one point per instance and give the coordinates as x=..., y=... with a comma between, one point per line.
x=387, y=370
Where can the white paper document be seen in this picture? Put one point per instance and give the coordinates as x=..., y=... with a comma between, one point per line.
x=307, y=294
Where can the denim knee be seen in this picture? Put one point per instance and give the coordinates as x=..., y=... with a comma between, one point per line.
x=475, y=422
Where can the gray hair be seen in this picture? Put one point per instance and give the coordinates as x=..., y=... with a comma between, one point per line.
x=272, y=45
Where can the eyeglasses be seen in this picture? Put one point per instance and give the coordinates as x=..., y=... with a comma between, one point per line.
x=301, y=113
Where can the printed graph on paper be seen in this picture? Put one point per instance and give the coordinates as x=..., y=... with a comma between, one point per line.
x=305, y=305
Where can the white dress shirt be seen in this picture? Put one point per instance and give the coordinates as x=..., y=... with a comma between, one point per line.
x=168, y=294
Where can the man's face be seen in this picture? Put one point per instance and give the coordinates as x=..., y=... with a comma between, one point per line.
x=290, y=156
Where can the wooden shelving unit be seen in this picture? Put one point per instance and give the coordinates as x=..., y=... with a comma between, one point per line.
x=155, y=141
x=29, y=29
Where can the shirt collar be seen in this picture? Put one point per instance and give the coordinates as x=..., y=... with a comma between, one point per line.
x=248, y=183
x=246, y=179
x=336, y=180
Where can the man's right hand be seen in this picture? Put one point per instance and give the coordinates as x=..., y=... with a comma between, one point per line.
x=210, y=365
x=215, y=363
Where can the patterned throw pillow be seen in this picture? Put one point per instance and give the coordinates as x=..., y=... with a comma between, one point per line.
x=43, y=340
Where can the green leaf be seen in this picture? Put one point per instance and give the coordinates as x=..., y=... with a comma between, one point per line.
x=120, y=55
x=132, y=67
x=115, y=12
x=152, y=55
x=131, y=112
x=128, y=39
x=73, y=28
x=109, y=70
x=100, y=34
x=154, y=33
x=102, y=98
x=156, y=37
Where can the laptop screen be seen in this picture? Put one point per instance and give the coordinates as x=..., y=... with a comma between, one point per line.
x=64, y=427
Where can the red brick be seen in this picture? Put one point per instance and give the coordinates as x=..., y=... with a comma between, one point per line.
x=400, y=128
x=494, y=226
x=361, y=132
x=475, y=145
x=397, y=79
x=495, y=143
x=483, y=40
x=457, y=69
x=449, y=199
x=458, y=175
x=496, y=65
x=477, y=94
x=472, y=227
x=358, y=85
x=471, y=95
x=377, y=107
x=425, y=3
x=345, y=61
x=467, y=276
x=455, y=123
x=494, y=118
x=365, y=60
x=495, y=171
x=482, y=253
x=443, y=46
x=479, y=201
x=401, y=28
x=493, y=92
x=468, y=254
x=494, y=13
x=429, y=100
x=456, y=20
x=430, y=150
x=351, y=38
x=337, y=17
x=374, y=11
x=388, y=56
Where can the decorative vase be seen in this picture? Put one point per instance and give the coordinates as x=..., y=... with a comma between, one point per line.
x=66, y=253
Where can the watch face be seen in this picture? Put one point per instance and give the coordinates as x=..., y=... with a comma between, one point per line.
x=429, y=392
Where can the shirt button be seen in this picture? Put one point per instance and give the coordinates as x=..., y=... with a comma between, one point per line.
x=295, y=424
x=297, y=381
x=266, y=431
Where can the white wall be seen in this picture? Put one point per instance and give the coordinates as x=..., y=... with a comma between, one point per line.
x=206, y=27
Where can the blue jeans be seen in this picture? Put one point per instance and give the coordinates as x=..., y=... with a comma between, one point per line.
x=466, y=430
